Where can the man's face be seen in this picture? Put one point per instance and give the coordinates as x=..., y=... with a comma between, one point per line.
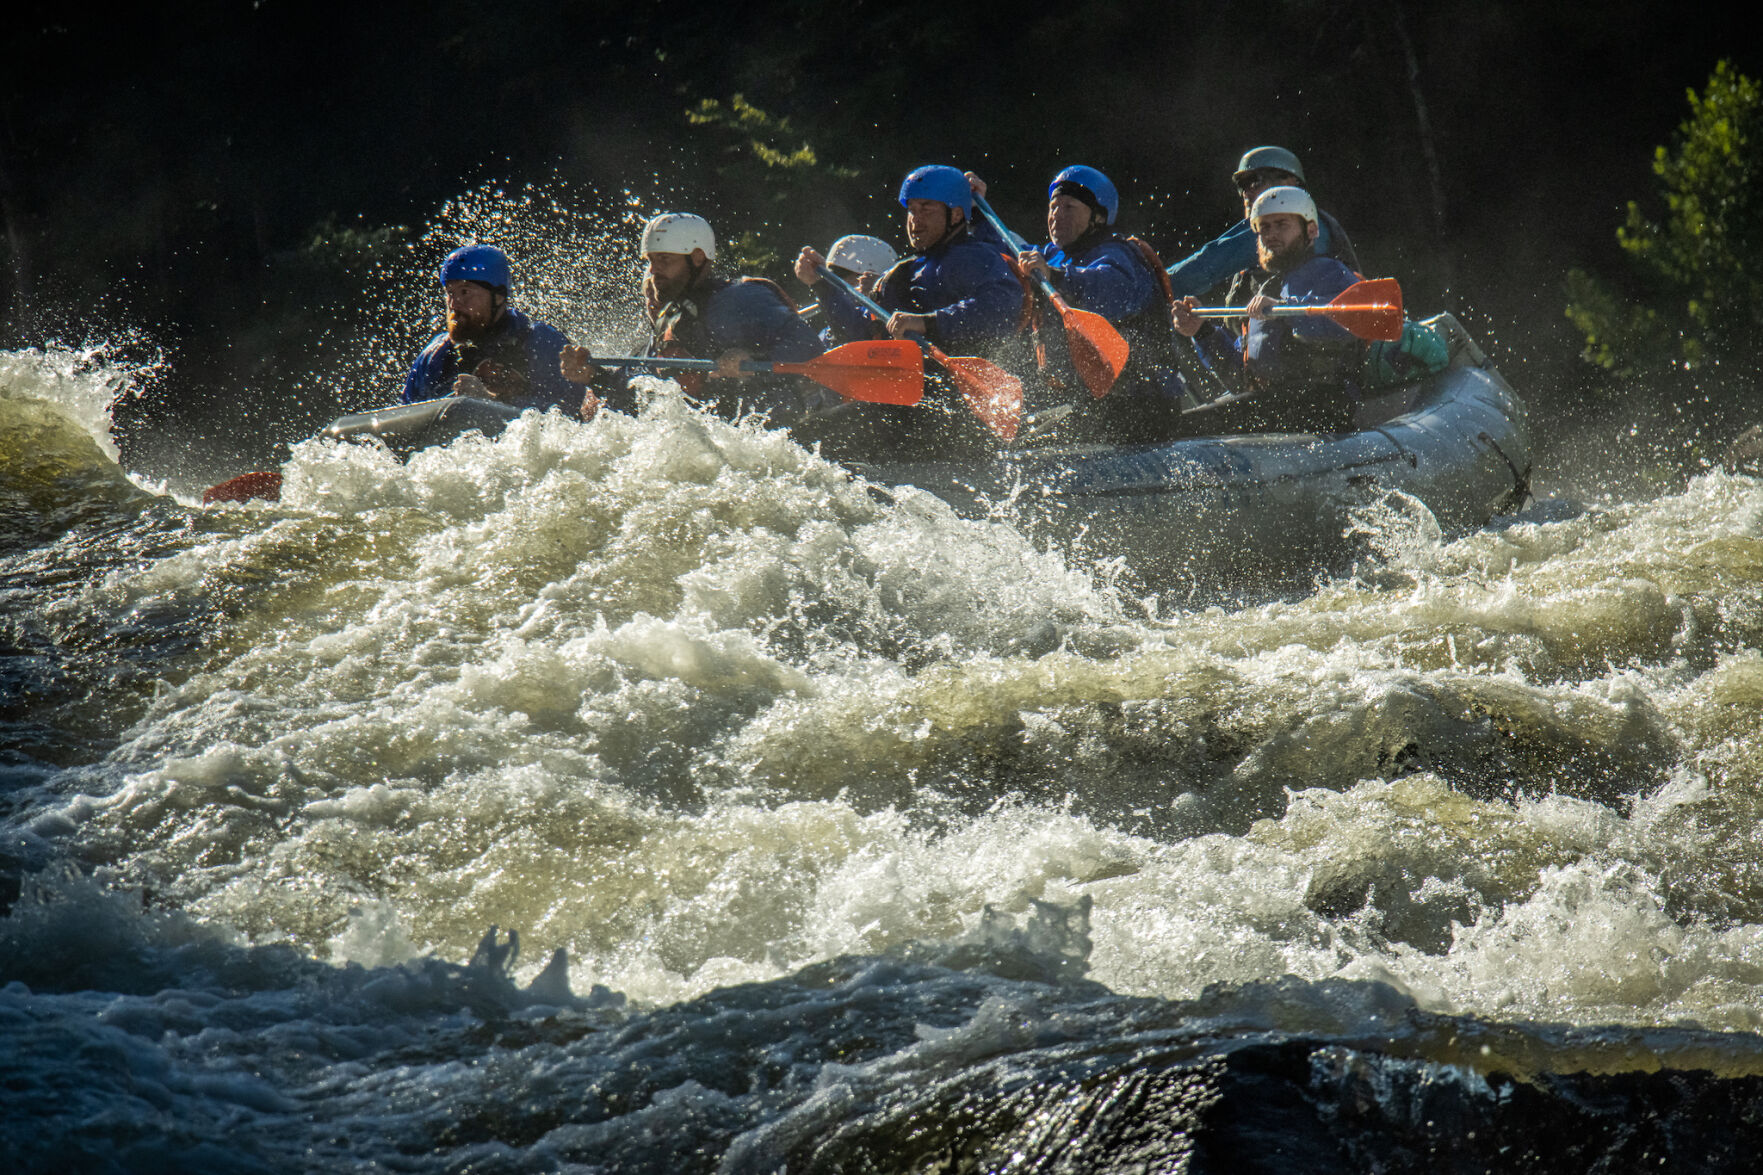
x=928, y=220
x=1260, y=180
x=671, y=273
x=471, y=308
x=1068, y=218
x=1279, y=236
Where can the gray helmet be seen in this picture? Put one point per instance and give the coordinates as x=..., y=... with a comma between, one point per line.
x=1268, y=159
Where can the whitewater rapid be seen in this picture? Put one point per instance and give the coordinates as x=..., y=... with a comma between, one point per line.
x=701, y=709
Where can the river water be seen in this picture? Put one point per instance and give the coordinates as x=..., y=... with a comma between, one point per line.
x=842, y=834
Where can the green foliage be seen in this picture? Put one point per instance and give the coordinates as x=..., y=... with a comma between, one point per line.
x=754, y=134
x=1700, y=263
x=343, y=250
x=761, y=163
x=749, y=252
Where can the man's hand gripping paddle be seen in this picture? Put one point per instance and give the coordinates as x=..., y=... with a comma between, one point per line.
x=882, y=371
x=993, y=394
x=1097, y=351
x=1370, y=309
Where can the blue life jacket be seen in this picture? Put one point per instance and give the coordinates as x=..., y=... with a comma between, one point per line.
x=1109, y=274
x=525, y=346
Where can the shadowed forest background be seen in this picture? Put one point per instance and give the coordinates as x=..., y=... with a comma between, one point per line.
x=232, y=186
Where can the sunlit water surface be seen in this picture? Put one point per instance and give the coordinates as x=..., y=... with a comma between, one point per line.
x=871, y=838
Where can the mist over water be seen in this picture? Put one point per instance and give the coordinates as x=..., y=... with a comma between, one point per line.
x=698, y=708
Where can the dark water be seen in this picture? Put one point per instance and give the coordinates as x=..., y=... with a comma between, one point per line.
x=1450, y=866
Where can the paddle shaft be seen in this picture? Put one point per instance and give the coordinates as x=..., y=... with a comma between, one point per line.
x=993, y=219
x=682, y=363
x=1290, y=311
x=993, y=394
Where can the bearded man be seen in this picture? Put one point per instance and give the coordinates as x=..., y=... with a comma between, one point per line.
x=1214, y=262
x=489, y=349
x=693, y=312
x=1295, y=373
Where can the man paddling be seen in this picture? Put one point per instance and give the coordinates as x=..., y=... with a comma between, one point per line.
x=953, y=290
x=1095, y=268
x=696, y=313
x=1286, y=373
x=1219, y=260
x=861, y=258
x=489, y=349
x=952, y=294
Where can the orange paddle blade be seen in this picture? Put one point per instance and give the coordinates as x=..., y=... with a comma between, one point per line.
x=1097, y=350
x=1370, y=309
x=881, y=372
x=265, y=484
x=994, y=395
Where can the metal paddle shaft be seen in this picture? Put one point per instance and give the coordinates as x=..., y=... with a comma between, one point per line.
x=1370, y=309
x=1097, y=351
x=992, y=394
x=882, y=371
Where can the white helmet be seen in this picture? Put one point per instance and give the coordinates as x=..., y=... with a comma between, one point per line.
x=1276, y=200
x=678, y=232
x=862, y=254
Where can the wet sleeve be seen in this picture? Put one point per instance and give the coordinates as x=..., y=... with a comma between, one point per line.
x=427, y=374
x=757, y=320
x=546, y=386
x=1313, y=285
x=983, y=231
x=1214, y=263
x=1112, y=284
x=846, y=321
x=986, y=300
x=1222, y=351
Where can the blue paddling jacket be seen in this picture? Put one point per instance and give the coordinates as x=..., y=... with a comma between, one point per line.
x=963, y=284
x=1107, y=274
x=1217, y=261
x=529, y=348
x=1311, y=360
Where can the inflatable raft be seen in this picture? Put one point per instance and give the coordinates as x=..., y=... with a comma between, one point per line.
x=1264, y=506
x=1222, y=508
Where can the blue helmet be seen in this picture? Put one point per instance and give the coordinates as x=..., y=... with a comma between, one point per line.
x=940, y=182
x=1089, y=183
x=476, y=263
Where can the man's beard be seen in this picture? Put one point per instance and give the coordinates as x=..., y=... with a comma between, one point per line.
x=671, y=291
x=1287, y=259
x=462, y=330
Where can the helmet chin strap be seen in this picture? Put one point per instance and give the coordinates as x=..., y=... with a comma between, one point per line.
x=949, y=228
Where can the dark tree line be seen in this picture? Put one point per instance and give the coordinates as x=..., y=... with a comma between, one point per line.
x=224, y=177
